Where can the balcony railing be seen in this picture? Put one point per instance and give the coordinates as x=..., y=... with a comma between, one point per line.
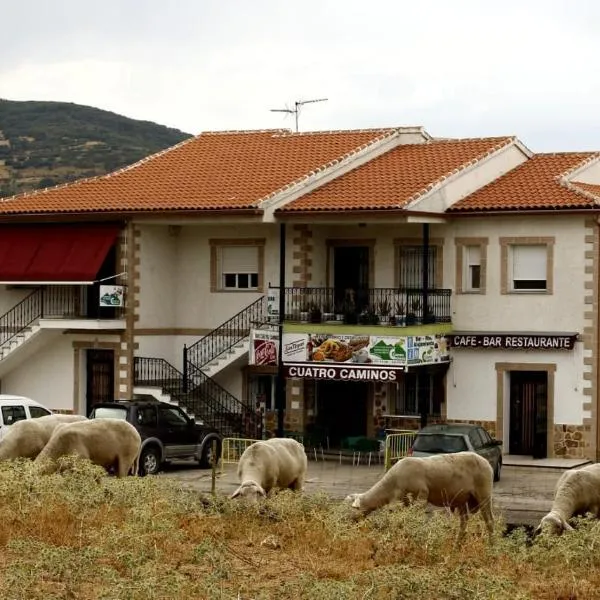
x=372, y=306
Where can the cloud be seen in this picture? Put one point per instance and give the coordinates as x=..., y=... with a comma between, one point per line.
x=463, y=68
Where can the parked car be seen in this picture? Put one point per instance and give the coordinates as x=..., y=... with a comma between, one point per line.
x=458, y=437
x=17, y=408
x=167, y=432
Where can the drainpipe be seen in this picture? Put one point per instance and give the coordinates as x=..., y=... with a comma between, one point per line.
x=280, y=400
x=425, y=262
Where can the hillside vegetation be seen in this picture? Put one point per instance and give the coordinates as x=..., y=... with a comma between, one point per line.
x=48, y=143
x=81, y=534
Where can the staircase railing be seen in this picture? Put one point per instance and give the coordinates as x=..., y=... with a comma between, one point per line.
x=225, y=336
x=21, y=316
x=207, y=400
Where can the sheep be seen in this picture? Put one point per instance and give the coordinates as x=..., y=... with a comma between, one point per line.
x=461, y=481
x=27, y=438
x=269, y=464
x=106, y=442
x=577, y=492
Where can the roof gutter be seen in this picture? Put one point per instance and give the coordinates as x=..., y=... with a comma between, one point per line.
x=520, y=213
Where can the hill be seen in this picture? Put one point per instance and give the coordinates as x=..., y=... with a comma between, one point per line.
x=48, y=143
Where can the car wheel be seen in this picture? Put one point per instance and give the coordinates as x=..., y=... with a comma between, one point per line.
x=149, y=461
x=206, y=459
x=497, y=470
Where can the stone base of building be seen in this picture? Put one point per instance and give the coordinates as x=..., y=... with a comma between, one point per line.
x=572, y=441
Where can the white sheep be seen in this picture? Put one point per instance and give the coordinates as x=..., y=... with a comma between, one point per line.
x=27, y=438
x=110, y=443
x=269, y=464
x=461, y=481
x=577, y=492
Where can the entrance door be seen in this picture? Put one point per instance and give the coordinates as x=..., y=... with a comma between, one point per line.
x=528, y=432
x=342, y=410
x=100, y=377
x=351, y=274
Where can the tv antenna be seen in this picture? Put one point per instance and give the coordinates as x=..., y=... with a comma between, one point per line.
x=296, y=110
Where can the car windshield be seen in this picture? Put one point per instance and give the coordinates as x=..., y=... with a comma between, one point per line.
x=439, y=443
x=109, y=412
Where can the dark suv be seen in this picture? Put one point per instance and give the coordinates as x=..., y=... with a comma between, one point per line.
x=166, y=430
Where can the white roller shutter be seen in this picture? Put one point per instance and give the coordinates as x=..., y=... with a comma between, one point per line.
x=239, y=259
x=529, y=263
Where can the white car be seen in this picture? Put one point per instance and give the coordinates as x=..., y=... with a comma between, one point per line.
x=17, y=408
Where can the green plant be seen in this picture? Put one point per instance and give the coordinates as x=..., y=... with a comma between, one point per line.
x=384, y=307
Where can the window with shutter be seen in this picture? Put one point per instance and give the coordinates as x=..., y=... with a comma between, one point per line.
x=411, y=267
x=529, y=267
x=472, y=268
x=239, y=267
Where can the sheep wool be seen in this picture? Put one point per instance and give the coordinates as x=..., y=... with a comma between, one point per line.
x=577, y=492
x=461, y=481
x=269, y=464
x=109, y=443
x=27, y=438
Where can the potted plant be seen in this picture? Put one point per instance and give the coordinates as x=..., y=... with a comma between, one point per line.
x=428, y=315
x=350, y=316
x=400, y=313
x=368, y=316
x=315, y=313
x=304, y=312
x=384, y=309
x=328, y=313
x=339, y=312
x=413, y=317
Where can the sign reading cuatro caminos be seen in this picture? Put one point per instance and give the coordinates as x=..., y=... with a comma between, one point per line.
x=514, y=341
x=342, y=372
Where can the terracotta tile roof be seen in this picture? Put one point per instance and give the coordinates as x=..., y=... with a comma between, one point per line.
x=215, y=170
x=540, y=183
x=396, y=178
x=589, y=188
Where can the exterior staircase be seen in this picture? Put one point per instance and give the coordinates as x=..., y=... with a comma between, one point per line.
x=195, y=390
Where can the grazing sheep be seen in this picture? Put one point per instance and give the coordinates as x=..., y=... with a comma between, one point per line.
x=110, y=443
x=27, y=438
x=461, y=481
x=274, y=463
x=577, y=492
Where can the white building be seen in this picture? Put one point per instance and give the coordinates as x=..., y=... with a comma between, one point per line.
x=191, y=236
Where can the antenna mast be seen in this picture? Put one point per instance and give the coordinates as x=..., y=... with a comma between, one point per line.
x=296, y=110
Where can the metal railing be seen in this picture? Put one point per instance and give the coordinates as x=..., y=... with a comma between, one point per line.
x=368, y=306
x=206, y=400
x=233, y=448
x=397, y=446
x=225, y=336
x=60, y=301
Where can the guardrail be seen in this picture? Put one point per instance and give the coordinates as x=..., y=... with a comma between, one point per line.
x=397, y=446
x=233, y=448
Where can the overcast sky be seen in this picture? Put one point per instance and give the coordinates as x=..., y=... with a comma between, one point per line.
x=461, y=68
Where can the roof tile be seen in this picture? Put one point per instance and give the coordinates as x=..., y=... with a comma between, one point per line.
x=539, y=183
x=215, y=170
x=396, y=178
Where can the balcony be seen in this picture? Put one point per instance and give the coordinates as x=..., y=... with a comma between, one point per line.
x=319, y=309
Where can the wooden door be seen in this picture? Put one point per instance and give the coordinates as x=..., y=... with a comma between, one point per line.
x=100, y=377
x=528, y=432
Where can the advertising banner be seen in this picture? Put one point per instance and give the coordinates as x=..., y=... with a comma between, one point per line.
x=263, y=347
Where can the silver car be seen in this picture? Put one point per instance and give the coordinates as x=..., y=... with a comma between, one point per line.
x=444, y=438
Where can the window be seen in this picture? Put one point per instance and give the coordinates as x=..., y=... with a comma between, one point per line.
x=475, y=439
x=38, y=411
x=472, y=268
x=146, y=416
x=237, y=265
x=412, y=265
x=12, y=414
x=529, y=267
x=429, y=388
x=105, y=412
x=172, y=417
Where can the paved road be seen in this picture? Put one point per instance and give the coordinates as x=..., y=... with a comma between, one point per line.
x=523, y=495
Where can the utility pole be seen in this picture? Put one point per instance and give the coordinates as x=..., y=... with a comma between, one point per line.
x=296, y=110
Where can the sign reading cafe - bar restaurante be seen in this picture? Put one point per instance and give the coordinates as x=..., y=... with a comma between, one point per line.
x=514, y=341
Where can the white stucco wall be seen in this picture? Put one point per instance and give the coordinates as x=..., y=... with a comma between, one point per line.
x=9, y=298
x=48, y=376
x=471, y=383
x=591, y=174
x=175, y=274
x=563, y=310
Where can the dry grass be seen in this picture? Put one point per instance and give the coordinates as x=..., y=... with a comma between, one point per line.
x=82, y=535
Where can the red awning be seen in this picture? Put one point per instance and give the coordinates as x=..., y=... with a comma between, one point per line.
x=54, y=253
